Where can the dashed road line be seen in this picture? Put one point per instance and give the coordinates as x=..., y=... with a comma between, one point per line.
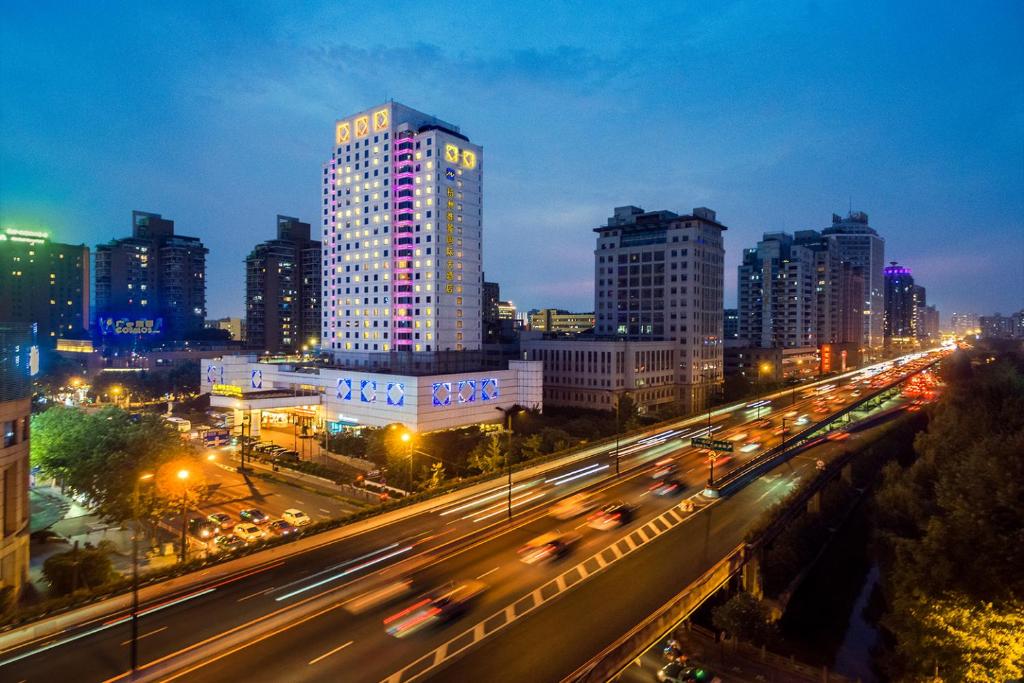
x=329, y=653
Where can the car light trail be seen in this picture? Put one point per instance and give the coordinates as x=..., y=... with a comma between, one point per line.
x=480, y=501
x=566, y=479
x=350, y=570
x=502, y=509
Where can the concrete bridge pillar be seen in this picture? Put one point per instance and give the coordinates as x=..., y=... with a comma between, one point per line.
x=847, y=473
x=814, y=503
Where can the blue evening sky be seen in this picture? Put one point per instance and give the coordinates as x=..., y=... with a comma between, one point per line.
x=776, y=115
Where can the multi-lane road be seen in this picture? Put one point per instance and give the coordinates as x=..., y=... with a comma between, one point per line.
x=291, y=619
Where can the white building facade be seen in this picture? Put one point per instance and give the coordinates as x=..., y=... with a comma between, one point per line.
x=401, y=222
x=342, y=398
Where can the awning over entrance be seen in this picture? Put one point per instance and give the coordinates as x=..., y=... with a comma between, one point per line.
x=263, y=400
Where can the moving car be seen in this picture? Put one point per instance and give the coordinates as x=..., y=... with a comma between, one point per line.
x=248, y=532
x=296, y=517
x=575, y=505
x=434, y=608
x=279, y=527
x=664, y=468
x=666, y=487
x=383, y=594
x=222, y=520
x=254, y=515
x=612, y=516
x=548, y=547
x=203, y=529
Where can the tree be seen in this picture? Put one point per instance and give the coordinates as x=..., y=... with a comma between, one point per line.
x=746, y=618
x=101, y=455
x=79, y=568
x=437, y=476
x=628, y=413
x=489, y=455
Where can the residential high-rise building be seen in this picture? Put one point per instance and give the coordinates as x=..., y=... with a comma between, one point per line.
x=155, y=277
x=851, y=304
x=997, y=326
x=235, y=327
x=402, y=231
x=658, y=275
x=44, y=282
x=928, y=324
x=18, y=362
x=862, y=247
x=776, y=294
x=558, y=321
x=282, y=290
x=964, y=323
x=900, y=303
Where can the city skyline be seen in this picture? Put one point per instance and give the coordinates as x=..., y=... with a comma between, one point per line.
x=701, y=126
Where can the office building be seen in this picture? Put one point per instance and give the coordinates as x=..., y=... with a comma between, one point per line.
x=401, y=225
x=282, y=291
x=45, y=283
x=594, y=373
x=658, y=276
x=731, y=324
x=489, y=313
x=964, y=324
x=851, y=304
x=18, y=362
x=862, y=247
x=152, y=284
x=900, y=303
x=558, y=321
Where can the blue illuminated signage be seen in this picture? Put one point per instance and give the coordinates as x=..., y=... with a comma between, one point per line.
x=125, y=326
x=368, y=391
x=442, y=393
x=396, y=394
x=488, y=389
x=467, y=390
x=344, y=391
x=256, y=379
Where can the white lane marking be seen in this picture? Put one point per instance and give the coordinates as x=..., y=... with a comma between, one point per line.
x=259, y=592
x=326, y=512
x=331, y=652
x=487, y=573
x=146, y=635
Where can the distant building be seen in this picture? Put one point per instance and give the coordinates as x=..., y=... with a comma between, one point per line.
x=996, y=326
x=862, y=247
x=46, y=283
x=900, y=303
x=776, y=291
x=489, y=313
x=964, y=323
x=558, y=321
x=282, y=290
x=658, y=276
x=234, y=326
x=155, y=280
x=18, y=362
x=928, y=324
x=731, y=324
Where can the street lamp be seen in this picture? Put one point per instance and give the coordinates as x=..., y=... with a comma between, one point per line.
x=508, y=453
x=135, y=571
x=406, y=437
x=183, y=476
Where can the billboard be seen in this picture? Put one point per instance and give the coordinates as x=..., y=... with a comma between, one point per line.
x=125, y=326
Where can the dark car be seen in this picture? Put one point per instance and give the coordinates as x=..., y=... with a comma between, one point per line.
x=290, y=456
x=203, y=529
x=612, y=516
x=279, y=527
x=229, y=543
x=666, y=487
x=674, y=672
x=254, y=515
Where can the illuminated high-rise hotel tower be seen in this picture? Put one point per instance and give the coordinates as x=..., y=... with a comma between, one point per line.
x=402, y=217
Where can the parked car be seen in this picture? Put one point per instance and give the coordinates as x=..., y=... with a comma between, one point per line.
x=249, y=533
x=296, y=517
x=228, y=543
x=279, y=527
x=203, y=529
x=254, y=515
x=222, y=520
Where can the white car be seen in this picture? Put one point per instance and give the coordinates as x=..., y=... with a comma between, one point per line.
x=296, y=517
x=248, y=532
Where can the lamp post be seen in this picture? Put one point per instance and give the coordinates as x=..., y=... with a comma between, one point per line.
x=508, y=454
x=135, y=571
x=711, y=470
x=183, y=476
x=407, y=438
